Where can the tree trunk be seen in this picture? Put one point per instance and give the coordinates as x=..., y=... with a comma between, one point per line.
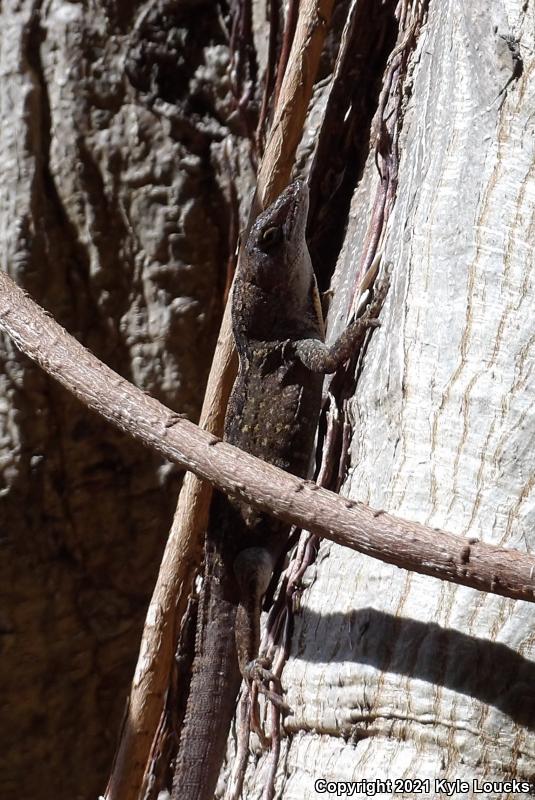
x=127, y=164
x=394, y=675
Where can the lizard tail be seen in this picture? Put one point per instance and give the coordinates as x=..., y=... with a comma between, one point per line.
x=214, y=687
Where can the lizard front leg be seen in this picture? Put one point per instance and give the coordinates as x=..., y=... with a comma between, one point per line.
x=319, y=357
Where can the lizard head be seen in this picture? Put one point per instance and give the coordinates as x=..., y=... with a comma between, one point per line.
x=275, y=294
x=276, y=249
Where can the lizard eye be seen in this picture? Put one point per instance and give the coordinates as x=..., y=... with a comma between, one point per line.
x=271, y=236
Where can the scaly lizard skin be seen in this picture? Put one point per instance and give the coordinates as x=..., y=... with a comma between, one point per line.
x=272, y=413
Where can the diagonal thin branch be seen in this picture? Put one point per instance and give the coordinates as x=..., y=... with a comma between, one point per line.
x=409, y=545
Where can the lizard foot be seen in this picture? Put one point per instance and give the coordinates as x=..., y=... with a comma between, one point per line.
x=259, y=672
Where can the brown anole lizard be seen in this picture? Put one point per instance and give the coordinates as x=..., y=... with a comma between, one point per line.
x=272, y=413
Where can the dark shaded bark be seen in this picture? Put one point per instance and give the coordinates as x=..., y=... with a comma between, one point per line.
x=114, y=218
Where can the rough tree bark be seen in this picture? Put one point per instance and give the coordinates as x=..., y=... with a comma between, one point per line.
x=120, y=142
x=116, y=223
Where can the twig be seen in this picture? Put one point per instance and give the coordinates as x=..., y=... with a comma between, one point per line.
x=295, y=93
x=269, y=77
x=289, y=32
x=409, y=545
x=243, y=725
